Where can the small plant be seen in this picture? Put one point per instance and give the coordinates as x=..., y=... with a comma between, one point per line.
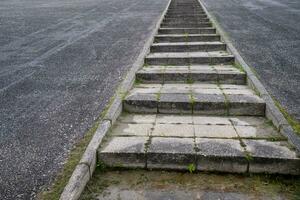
x=239, y=67
x=138, y=81
x=191, y=168
x=190, y=81
x=248, y=156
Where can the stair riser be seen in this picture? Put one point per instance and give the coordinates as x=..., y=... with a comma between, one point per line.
x=203, y=108
x=163, y=78
x=184, y=25
x=187, y=31
x=191, y=21
x=206, y=38
x=189, y=12
x=191, y=61
x=170, y=161
x=186, y=18
x=185, y=15
x=188, y=48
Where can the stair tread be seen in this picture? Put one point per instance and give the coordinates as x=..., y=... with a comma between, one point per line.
x=184, y=35
x=186, y=28
x=191, y=69
x=189, y=54
x=187, y=43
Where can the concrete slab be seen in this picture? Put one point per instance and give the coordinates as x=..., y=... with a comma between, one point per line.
x=171, y=153
x=215, y=131
x=268, y=132
x=135, y=118
x=173, y=130
x=175, y=103
x=272, y=157
x=124, y=152
x=127, y=129
x=174, y=119
x=226, y=155
x=211, y=120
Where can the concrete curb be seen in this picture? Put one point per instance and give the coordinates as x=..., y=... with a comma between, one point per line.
x=86, y=167
x=272, y=111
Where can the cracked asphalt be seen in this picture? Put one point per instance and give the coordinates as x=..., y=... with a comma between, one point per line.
x=267, y=35
x=60, y=62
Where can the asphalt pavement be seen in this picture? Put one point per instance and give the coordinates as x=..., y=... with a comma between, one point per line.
x=267, y=35
x=60, y=62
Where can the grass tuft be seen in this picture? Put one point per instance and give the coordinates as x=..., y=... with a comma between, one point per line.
x=291, y=120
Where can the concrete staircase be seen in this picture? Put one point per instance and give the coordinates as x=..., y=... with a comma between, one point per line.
x=191, y=107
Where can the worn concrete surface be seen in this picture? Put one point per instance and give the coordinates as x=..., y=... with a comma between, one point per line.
x=266, y=33
x=162, y=185
x=60, y=62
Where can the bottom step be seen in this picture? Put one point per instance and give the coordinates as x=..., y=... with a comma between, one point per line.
x=224, y=144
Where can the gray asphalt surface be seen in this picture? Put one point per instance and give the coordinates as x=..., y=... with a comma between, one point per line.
x=60, y=62
x=267, y=35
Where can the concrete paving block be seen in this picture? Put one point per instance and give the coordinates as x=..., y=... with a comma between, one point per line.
x=175, y=103
x=249, y=105
x=150, y=76
x=176, y=76
x=225, y=155
x=258, y=132
x=272, y=157
x=248, y=121
x=199, y=86
x=200, y=91
x=142, y=103
x=209, y=120
x=209, y=104
x=238, y=92
x=126, y=129
x=142, y=90
x=174, y=119
x=136, y=118
x=124, y=152
x=149, y=85
x=204, y=76
x=171, y=153
x=215, y=131
x=176, y=89
x=231, y=78
x=233, y=86
x=173, y=130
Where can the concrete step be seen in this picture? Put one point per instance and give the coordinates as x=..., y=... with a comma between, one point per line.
x=187, y=12
x=190, y=21
x=225, y=74
x=186, y=25
x=187, y=31
x=187, y=47
x=209, y=143
x=191, y=58
x=186, y=19
x=187, y=38
x=206, y=99
x=184, y=15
